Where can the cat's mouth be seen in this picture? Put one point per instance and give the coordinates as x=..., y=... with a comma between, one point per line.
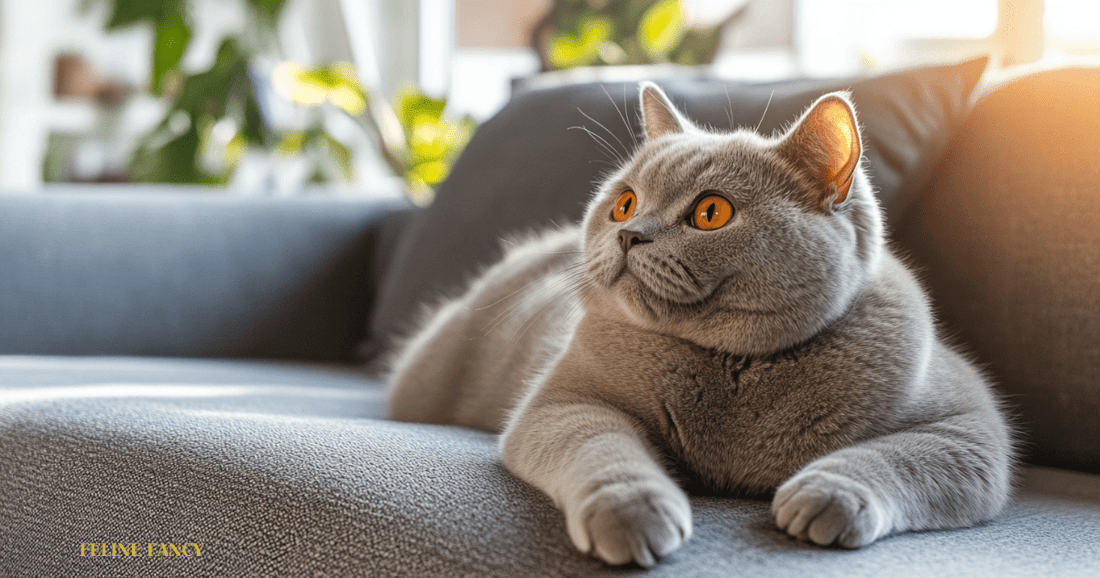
x=661, y=292
x=644, y=301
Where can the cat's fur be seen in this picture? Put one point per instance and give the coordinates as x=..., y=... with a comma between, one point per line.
x=789, y=350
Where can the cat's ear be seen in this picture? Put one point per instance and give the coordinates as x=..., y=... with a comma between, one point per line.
x=825, y=145
x=659, y=115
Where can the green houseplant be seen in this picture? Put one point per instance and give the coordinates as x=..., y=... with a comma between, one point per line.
x=416, y=140
x=608, y=32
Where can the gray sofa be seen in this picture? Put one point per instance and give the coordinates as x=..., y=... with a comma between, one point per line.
x=181, y=369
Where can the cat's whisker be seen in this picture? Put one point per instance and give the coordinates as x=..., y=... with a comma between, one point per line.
x=729, y=110
x=613, y=166
x=626, y=149
x=566, y=288
x=494, y=303
x=612, y=151
x=560, y=252
x=567, y=285
x=570, y=272
x=606, y=146
x=519, y=333
x=766, y=106
x=529, y=283
x=521, y=242
x=576, y=310
x=502, y=316
x=506, y=313
x=626, y=109
x=629, y=130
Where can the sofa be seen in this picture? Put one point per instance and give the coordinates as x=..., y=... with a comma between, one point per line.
x=191, y=383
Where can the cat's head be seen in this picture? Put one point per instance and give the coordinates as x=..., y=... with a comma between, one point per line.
x=734, y=240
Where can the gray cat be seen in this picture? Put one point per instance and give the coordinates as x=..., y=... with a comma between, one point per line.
x=727, y=305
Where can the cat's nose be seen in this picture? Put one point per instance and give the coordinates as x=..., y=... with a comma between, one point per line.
x=628, y=239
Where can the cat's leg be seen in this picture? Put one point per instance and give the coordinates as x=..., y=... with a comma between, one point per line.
x=950, y=473
x=593, y=461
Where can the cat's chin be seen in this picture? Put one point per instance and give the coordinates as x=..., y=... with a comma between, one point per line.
x=647, y=306
x=704, y=322
x=629, y=294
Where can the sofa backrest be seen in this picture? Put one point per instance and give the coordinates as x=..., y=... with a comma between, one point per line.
x=1007, y=238
x=187, y=274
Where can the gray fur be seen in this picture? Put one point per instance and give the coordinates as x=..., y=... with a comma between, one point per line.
x=787, y=351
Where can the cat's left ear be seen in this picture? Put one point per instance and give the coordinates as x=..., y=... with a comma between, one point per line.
x=659, y=115
x=825, y=145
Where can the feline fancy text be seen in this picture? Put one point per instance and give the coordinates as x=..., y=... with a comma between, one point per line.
x=141, y=550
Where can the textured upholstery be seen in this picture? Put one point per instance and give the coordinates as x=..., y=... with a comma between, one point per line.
x=187, y=274
x=525, y=168
x=289, y=470
x=1008, y=238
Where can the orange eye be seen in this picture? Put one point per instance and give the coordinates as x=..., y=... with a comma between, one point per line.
x=624, y=207
x=712, y=212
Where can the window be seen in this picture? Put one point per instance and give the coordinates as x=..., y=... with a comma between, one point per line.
x=1072, y=27
x=836, y=37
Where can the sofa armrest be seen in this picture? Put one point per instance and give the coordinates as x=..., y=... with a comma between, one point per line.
x=187, y=274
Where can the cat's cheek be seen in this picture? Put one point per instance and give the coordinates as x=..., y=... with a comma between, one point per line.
x=605, y=268
x=630, y=299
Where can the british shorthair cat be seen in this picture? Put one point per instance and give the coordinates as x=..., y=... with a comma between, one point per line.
x=727, y=305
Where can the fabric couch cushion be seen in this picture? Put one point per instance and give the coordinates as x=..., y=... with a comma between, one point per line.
x=1008, y=237
x=288, y=470
x=188, y=274
x=525, y=168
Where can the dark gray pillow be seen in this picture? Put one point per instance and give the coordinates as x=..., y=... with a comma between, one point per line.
x=524, y=168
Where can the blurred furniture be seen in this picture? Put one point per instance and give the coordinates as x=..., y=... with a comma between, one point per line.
x=180, y=368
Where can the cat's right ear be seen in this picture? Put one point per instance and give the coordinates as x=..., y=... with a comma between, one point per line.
x=659, y=115
x=825, y=144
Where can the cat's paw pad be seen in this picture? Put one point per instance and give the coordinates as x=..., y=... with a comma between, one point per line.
x=827, y=509
x=627, y=522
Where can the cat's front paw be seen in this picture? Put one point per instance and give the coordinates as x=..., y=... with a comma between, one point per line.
x=627, y=522
x=828, y=508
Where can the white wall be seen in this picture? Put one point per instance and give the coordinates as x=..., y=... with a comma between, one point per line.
x=33, y=33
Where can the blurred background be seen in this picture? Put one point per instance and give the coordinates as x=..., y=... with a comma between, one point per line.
x=377, y=97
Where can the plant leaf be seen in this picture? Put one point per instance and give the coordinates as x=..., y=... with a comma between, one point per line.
x=269, y=9
x=175, y=162
x=569, y=51
x=209, y=92
x=169, y=44
x=342, y=155
x=253, y=128
x=413, y=104
x=129, y=12
x=662, y=27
